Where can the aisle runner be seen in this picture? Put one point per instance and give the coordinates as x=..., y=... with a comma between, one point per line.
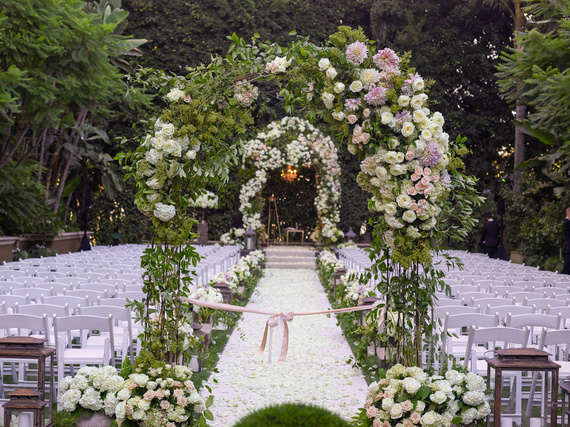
x=315, y=371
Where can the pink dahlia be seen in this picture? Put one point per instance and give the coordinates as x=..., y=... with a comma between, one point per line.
x=431, y=155
x=376, y=96
x=352, y=104
x=356, y=52
x=386, y=58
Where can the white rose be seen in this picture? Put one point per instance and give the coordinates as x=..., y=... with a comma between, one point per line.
x=175, y=94
x=428, y=418
x=437, y=118
x=438, y=397
x=338, y=115
x=392, y=157
x=404, y=201
x=172, y=147
x=398, y=169
x=376, y=182
x=331, y=73
x=373, y=388
x=416, y=102
x=144, y=405
x=328, y=99
x=164, y=213
x=426, y=135
x=168, y=129
x=390, y=208
x=191, y=154
x=356, y=86
x=387, y=117
x=407, y=129
x=409, y=216
x=418, y=116
x=418, y=85
x=411, y=385
x=396, y=411
x=324, y=64
x=403, y=101
x=381, y=172
x=338, y=87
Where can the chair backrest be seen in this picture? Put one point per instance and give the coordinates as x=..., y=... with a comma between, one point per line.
x=40, y=309
x=496, y=337
x=461, y=289
x=545, y=303
x=503, y=310
x=465, y=320
x=62, y=300
x=556, y=343
x=81, y=323
x=100, y=287
x=132, y=295
x=440, y=312
x=33, y=293
x=89, y=293
x=534, y=320
x=116, y=302
x=25, y=324
x=503, y=289
x=119, y=313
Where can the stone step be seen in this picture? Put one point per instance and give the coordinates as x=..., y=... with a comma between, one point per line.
x=290, y=265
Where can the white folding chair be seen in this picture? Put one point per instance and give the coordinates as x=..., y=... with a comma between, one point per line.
x=79, y=355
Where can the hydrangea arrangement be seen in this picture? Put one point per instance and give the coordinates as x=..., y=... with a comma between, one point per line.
x=295, y=142
x=233, y=237
x=92, y=389
x=160, y=394
x=206, y=200
x=409, y=396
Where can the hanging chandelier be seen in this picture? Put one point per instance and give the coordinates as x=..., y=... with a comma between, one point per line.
x=289, y=175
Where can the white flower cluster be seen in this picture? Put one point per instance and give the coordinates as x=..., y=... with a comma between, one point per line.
x=240, y=272
x=304, y=146
x=92, y=388
x=207, y=293
x=233, y=237
x=329, y=261
x=355, y=292
x=278, y=65
x=168, y=390
x=207, y=200
x=171, y=155
x=391, y=400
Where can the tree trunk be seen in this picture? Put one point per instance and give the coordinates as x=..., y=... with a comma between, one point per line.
x=520, y=111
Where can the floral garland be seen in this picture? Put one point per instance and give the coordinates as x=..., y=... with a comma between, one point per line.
x=293, y=141
x=409, y=396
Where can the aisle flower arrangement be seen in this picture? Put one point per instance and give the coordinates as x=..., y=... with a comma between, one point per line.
x=91, y=389
x=234, y=237
x=410, y=396
x=327, y=263
x=294, y=142
x=160, y=394
x=351, y=291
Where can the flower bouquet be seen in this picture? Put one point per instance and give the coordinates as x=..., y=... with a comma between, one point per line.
x=207, y=200
x=233, y=237
x=206, y=293
x=90, y=390
x=160, y=394
x=409, y=396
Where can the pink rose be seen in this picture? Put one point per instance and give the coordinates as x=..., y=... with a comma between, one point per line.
x=132, y=386
x=425, y=180
x=189, y=385
x=427, y=171
x=187, y=98
x=410, y=155
x=377, y=423
x=181, y=401
x=149, y=395
x=129, y=410
x=419, y=170
x=412, y=191
x=176, y=384
x=387, y=424
x=407, y=406
x=367, y=403
x=159, y=394
x=419, y=211
x=366, y=113
x=434, y=177
x=388, y=394
x=380, y=396
x=420, y=187
x=415, y=417
x=164, y=404
x=371, y=412
x=414, y=206
x=365, y=137
x=407, y=423
x=423, y=203
x=415, y=176
x=427, y=192
x=352, y=119
x=178, y=393
x=271, y=67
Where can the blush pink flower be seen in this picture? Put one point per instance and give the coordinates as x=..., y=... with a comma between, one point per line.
x=425, y=181
x=377, y=423
x=376, y=96
x=407, y=406
x=427, y=172
x=149, y=395
x=164, y=404
x=415, y=417
x=415, y=176
x=386, y=58
x=412, y=191
x=371, y=412
x=419, y=211
x=423, y=203
x=352, y=119
x=419, y=170
x=178, y=393
x=129, y=410
x=356, y=52
x=414, y=206
x=182, y=401
x=410, y=156
x=367, y=402
x=352, y=104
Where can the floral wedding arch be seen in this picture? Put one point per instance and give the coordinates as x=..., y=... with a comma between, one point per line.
x=371, y=99
x=294, y=142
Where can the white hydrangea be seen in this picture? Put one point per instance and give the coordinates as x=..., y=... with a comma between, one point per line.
x=164, y=212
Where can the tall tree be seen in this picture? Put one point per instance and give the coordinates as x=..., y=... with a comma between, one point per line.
x=514, y=7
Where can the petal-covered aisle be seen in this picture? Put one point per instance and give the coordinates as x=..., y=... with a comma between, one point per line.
x=315, y=371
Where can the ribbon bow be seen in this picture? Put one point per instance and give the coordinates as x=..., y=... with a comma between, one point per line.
x=272, y=323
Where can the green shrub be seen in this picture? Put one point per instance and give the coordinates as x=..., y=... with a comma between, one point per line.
x=289, y=415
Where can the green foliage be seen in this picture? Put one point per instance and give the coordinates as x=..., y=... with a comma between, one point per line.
x=539, y=75
x=290, y=414
x=533, y=220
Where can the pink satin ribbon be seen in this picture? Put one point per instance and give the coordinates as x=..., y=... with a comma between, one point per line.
x=274, y=320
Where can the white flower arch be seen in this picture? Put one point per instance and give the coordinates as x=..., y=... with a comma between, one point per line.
x=295, y=142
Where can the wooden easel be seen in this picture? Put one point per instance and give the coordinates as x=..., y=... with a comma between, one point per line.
x=273, y=220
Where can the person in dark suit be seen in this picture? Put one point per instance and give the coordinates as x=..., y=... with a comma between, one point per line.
x=566, y=246
x=490, y=236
